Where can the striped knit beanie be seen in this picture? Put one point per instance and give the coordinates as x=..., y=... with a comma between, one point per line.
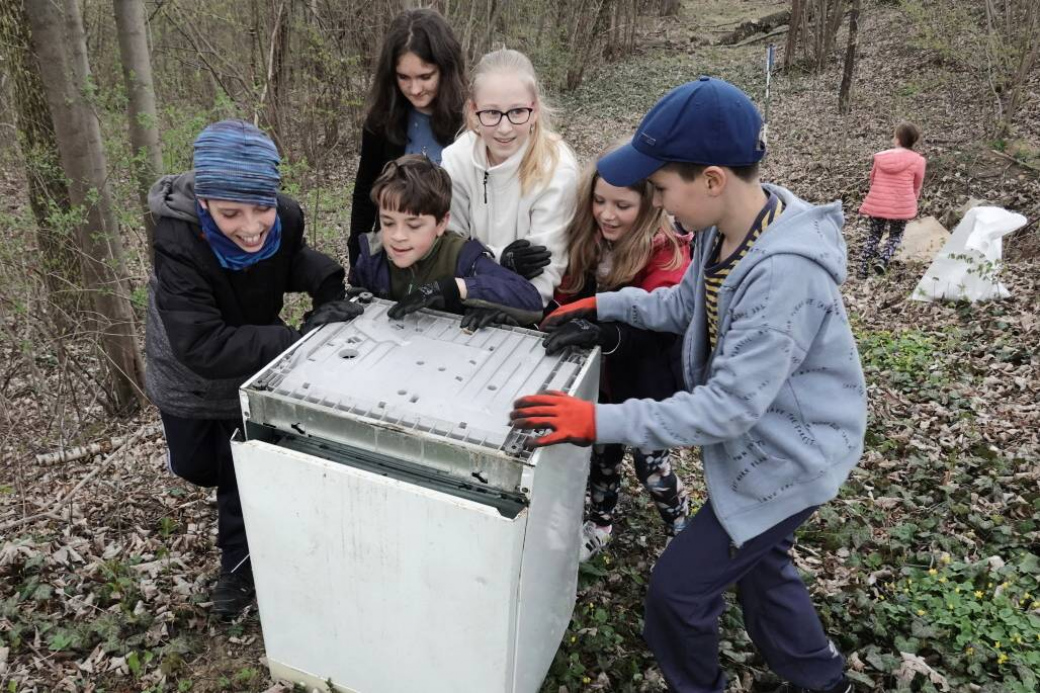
x=235, y=161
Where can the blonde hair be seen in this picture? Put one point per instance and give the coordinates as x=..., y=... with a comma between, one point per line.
x=543, y=152
x=630, y=254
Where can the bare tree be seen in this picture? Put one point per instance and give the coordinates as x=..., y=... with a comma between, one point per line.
x=793, y=32
x=144, y=126
x=271, y=94
x=1012, y=48
x=48, y=192
x=587, y=25
x=845, y=93
x=813, y=31
x=622, y=37
x=60, y=45
x=669, y=8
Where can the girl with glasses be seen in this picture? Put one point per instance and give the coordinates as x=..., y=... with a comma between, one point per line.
x=415, y=106
x=513, y=178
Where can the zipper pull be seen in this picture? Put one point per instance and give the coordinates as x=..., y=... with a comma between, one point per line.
x=486, y=174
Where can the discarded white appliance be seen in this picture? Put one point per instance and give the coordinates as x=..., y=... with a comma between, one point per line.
x=967, y=266
x=402, y=537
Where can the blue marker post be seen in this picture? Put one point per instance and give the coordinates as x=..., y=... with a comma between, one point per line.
x=770, y=60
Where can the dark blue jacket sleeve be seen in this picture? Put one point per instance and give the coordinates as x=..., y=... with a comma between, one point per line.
x=489, y=283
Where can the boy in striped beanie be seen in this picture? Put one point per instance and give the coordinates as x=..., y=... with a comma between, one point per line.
x=228, y=247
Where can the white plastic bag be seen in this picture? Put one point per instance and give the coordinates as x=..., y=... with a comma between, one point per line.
x=967, y=266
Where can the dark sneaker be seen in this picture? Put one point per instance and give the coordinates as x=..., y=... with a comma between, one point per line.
x=233, y=593
x=843, y=686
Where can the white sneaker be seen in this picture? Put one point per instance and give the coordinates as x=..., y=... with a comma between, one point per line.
x=673, y=531
x=593, y=539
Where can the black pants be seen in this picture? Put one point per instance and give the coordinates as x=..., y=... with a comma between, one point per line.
x=200, y=452
x=873, y=254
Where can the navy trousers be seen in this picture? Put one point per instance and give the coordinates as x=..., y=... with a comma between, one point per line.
x=200, y=452
x=685, y=600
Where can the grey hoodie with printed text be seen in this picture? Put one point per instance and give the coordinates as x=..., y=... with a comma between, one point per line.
x=779, y=406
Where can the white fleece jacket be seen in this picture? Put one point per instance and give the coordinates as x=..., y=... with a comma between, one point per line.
x=486, y=204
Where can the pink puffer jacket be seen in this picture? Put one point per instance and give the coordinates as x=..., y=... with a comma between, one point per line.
x=895, y=184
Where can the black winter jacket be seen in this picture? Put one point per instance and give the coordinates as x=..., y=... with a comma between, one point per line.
x=645, y=364
x=209, y=329
x=376, y=151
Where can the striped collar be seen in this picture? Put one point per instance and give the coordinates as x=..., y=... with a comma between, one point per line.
x=770, y=211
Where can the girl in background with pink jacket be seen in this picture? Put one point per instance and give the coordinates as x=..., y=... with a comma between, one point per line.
x=895, y=187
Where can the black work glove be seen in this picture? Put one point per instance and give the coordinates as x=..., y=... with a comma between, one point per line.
x=525, y=259
x=442, y=294
x=476, y=318
x=341, y=310
x=584, y=334
x=582, y=309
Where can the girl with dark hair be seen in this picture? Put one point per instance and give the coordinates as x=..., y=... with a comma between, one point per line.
x=415, y=105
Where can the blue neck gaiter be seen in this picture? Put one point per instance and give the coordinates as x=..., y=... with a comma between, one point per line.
x=229, y=255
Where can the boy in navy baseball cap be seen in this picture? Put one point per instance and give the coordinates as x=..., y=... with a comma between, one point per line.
x=774, y=397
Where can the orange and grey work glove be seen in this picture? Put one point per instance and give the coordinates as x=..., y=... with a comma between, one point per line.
x=583, y=308
x=572, y=420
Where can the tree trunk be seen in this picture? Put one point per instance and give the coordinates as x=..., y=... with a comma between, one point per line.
x=819, y=27
x=59, y=41
x=278, y=72
x=48, y=192
x=1022, y=41
x=845, y=92
x=759, y=25
x=836, y=14
x=669, y=8
x=584, y=39
x=267, y=105
x=144, y=127
x=797, y=9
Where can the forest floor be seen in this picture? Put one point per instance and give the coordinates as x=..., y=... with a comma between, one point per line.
x=925, y=568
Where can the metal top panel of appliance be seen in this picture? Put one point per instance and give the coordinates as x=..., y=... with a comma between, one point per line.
x=423, y=374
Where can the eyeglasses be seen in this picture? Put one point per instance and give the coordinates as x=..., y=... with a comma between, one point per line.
x=492, y=117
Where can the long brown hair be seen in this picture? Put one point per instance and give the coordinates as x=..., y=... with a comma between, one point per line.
x=629, y=255
x=543, y=151
x=427, y=34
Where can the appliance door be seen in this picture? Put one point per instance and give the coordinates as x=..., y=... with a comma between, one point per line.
x=374, y=583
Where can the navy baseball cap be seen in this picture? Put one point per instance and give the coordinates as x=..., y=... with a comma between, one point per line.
x=708, y=122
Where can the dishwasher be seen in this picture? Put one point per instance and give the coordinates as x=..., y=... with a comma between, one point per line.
x=402, y=536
